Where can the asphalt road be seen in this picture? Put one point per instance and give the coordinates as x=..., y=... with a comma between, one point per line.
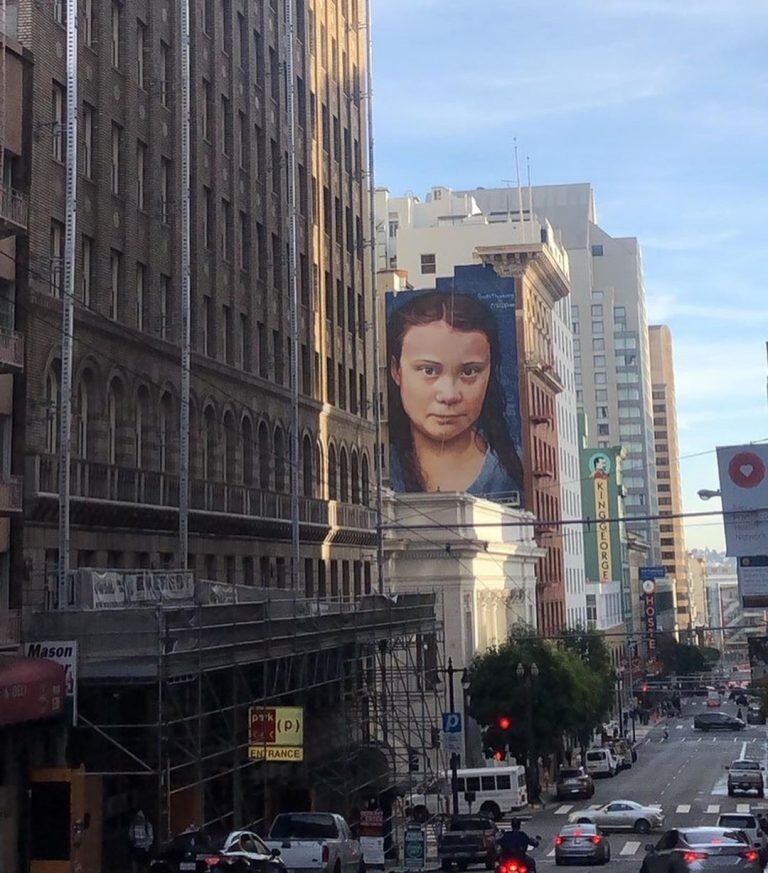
x=685, y=774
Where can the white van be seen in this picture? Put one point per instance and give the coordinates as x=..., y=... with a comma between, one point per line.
x=493, y=791
x=602, y=762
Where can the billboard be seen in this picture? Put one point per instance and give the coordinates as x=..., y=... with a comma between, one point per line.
x=600, y=470
x=744, y=493
x=752, y=573
x=453, y=387
x=276, y=733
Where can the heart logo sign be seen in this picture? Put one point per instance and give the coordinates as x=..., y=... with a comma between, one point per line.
x=746, y=470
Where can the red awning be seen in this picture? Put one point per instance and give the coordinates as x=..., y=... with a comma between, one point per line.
x=30, y=689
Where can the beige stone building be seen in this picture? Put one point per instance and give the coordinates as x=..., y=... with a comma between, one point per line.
x=668, y=485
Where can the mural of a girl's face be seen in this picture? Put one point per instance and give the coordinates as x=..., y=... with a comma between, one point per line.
x=443, y=377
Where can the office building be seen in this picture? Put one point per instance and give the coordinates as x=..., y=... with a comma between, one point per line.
x=668, y=485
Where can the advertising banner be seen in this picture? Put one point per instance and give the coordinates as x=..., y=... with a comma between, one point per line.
x=276, y=733
x=63, y=652
x=600, y=500
x=744, y=494
x=453, y=387
x=753, y=581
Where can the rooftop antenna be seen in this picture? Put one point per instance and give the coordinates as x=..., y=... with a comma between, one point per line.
x=530, y=197
x=519, y=190
x=508, y=184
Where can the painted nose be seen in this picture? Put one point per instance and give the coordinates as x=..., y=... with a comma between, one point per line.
x=448, y=392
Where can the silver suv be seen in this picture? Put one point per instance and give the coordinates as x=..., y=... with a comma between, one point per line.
x=745, y=775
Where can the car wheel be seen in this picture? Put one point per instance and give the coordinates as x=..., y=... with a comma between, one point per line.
x=642, y=826
x=731, y=792
x=491, y=810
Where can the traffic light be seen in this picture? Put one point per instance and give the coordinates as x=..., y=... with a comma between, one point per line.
x=504, y=722
x=497, y=739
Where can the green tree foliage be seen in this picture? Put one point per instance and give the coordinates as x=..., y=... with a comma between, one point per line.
x=570, y=696
x=683, y=659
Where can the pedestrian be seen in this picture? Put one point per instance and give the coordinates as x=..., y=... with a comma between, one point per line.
x=739, y=713
x=141, y=836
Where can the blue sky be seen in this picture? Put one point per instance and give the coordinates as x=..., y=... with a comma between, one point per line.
x=663, y=106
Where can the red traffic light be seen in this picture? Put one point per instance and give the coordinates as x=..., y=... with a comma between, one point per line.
x=498, y=756
x=645, y=687
x=504, y=722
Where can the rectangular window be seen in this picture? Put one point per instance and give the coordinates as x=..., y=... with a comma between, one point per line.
x=89, y=116
x=165, y=72
x=141, y=278
x=598, y=344
x=330, y=378
x=245, y=343
x=601, y=394
x=597, y=251
x=165, y=299
x=244, y=144
x=87, y=22
x=117, y=133
x=245, y=241
x=598, y=360
x=428, y=265
x=226, y=334
x=141, y=163
x=261, y=334
x=115, y=270
x=207, y=326
x=600, y=379
x=165, y=188
x=57, y=257
x=597, y=310
x=226, y=230
x=226, y=126
x=619, y=312
x=242, y=40
x=597, y=328
x=86, y=275
x=278, y=356
x=58, y=110
x=603, y=429
x=115, y=33
x=226, y=15
x=206, y=110
x=207, y=216
x=141, y=45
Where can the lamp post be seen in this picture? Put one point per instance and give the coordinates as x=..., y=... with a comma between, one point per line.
x=450, y=671
x=619, y=701
x=528, y=675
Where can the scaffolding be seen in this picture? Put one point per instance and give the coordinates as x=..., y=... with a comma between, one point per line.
x=165, y=693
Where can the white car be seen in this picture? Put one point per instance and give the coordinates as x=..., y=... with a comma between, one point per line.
x=622, y=815
x=747, y=822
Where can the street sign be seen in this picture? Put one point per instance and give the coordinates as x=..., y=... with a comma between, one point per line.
x=744, y=494
x=414, y=848
x=276, y=733
x=753, y=581
x=647, y=573
x=452, y=740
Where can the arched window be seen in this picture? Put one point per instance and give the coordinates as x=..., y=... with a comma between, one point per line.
x=279, y=459
x=366, y=481
x=143, y=429
x=318, y=484
x=246, y=431
x=52, y=407
x=209, y=444
x=343, y=476
x=230, y=449
x=83, y=415
x=355, y=469
x=306, y=465
x=115, y=407
x=333, y=491
x=264, y=456
x=167, y=429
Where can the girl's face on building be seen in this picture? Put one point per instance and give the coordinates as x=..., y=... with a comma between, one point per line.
x=443, y=376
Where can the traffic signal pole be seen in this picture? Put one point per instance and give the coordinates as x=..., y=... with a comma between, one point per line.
x=454, y=757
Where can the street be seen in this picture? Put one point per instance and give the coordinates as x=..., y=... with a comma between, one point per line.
x=685, y=774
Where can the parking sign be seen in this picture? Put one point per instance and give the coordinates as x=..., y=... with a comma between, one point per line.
x=452, y=739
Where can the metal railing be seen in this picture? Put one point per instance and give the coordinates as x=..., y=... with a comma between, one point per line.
x=14, y=207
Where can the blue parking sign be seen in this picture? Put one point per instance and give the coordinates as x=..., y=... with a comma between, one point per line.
x=451, y=722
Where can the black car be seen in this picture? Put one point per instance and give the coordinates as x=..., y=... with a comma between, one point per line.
x=186, y=853
x=574, y=782
x=755, y=714
x=717, y=721
x=701, y=849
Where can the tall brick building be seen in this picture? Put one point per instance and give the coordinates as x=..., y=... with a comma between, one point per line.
x=127, y=319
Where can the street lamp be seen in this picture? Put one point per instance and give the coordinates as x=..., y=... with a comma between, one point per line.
x=708, y=494
x=528, y=675
x=450, y=671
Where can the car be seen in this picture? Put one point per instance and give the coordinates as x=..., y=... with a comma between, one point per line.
x=623, y=753
x=745, y=775
x=574, y=782
x=748, y=823
x=315, y=841
x=602, y=762
x=185, y=853
x=585, y=842
x=717, y=721
x=622, y=815
x=755, y=714
x=468, y=839
x=701, y=849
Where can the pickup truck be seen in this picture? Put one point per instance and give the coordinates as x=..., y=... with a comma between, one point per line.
x=745, y=775
x=468, y=839
x=315, y=841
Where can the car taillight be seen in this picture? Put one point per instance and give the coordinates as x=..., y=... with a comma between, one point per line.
x=326, y=854
x=513, y=867
x=690, y=857
x=596, y=839
x=559, y=841
x=212, y=861
x=751, y=855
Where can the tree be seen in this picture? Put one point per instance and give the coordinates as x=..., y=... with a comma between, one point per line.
x=684, y=659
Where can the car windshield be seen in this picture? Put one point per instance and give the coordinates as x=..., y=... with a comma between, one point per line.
x=478, y=823
x=570, y=774
x=714, y=836
x=595, y=756
x=745, y=765
x=304, y=827
x=737, y=822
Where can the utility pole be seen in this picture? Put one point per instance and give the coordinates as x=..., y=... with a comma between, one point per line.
x=454, y=757
x=68, y=301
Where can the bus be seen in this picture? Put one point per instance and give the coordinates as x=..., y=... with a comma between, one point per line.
x=491, y=791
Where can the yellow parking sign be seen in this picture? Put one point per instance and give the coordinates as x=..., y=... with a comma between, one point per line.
x=276, y=733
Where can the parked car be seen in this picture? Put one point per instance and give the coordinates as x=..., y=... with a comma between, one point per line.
x=185, y=853
x=755, y=714
x=705, y=850
x=602, y=762
x=745, y=775
x=717, y=721
x=315, y=841
x=623, y=753
x=746, y=822
x=574, y=782
x=578, y=843
x=468, y=839
x=622, y=815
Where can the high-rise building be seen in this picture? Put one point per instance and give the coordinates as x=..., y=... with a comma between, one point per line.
x=613, y=383
x=668, y=486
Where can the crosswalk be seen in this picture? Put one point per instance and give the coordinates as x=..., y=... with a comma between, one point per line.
x=680, y=809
